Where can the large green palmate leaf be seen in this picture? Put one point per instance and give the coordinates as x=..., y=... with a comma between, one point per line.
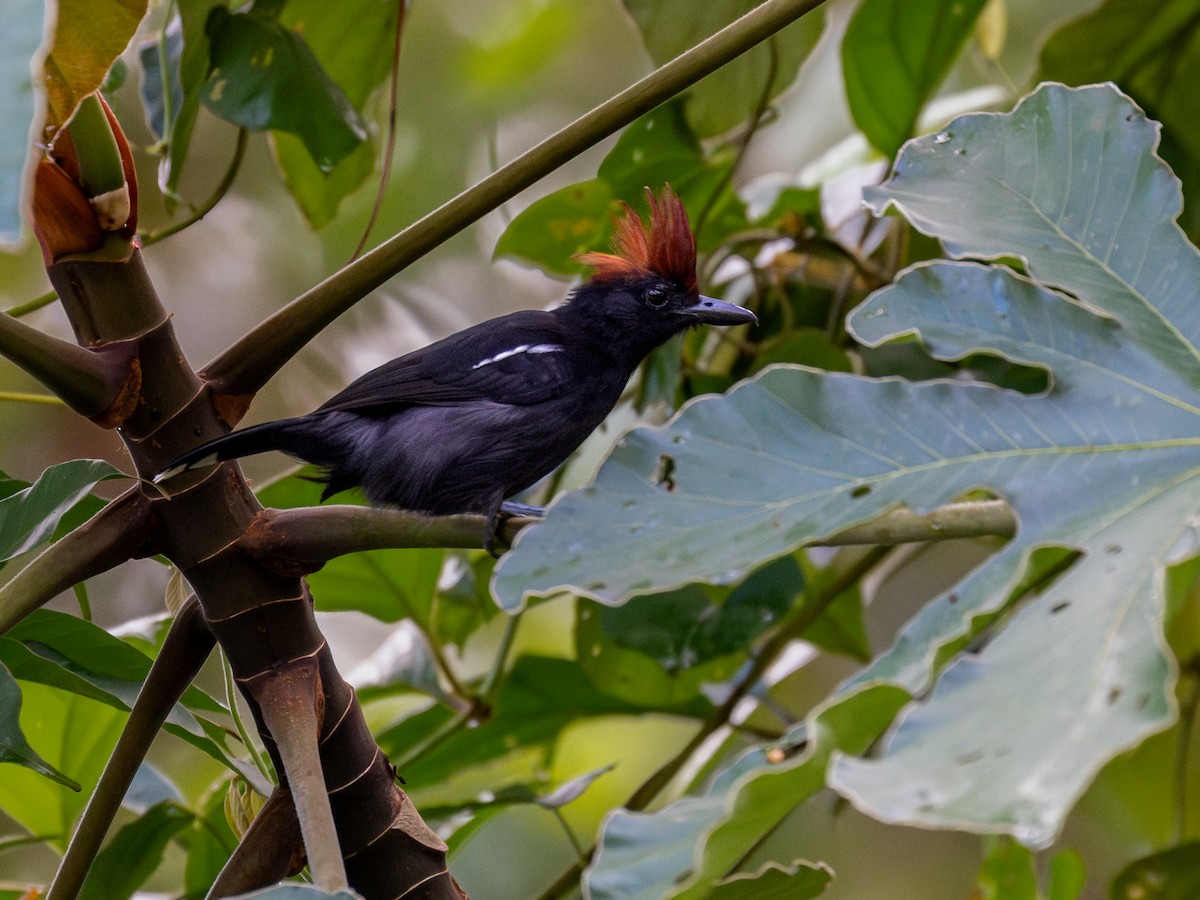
x=1106, y=462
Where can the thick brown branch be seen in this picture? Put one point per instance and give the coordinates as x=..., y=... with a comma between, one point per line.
x=251, y=361
x=299, y=541
x=113, y=535
x=184, y=651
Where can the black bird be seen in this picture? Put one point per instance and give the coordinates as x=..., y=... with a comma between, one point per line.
x=464, y=423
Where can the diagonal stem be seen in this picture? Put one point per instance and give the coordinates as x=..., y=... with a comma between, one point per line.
x=86, y=380
x=109, y=538
x=252, y=360
x=183, y=653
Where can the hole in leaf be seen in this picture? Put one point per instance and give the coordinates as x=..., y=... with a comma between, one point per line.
x=664, y=472
x=861, y=491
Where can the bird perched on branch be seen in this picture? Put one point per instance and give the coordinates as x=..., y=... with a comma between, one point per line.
x=463, y=424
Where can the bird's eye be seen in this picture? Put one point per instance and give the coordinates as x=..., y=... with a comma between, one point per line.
x=656, y=298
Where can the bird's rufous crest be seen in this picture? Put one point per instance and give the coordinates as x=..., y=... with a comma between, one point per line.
x=666, y=248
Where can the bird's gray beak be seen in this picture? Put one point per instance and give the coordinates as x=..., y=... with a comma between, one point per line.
x=718, y=312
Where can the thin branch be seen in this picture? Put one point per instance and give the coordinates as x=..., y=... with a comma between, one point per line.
x=222, y=188
x=763, y=660
x=109, y=538
x=955, y=520
x=23, y=309
x=389, y=151
x=184, y=651
x=299, y=541
x=21, y=397
x=252, y=360
x=86, y=380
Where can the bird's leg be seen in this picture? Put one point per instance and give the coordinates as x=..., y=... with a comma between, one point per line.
x=502, y=510
x=512, y=508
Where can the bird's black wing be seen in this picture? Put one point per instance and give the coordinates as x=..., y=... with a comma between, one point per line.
x=519, y=359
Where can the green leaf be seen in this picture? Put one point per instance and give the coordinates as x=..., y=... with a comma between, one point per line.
x=729, y=96
x=550, y=231
x=387, y=584
x=88, y=37
x=320, y=193
x=353, y=41
x=1153, y=52
x=799, y=881
x=68, y=653
x=686, y=847
x=76, y=735
x=894, y=55
x=20, y=36
x=134, y=852
x=635, y=676
x=538, y=698
x=1067, y=876
x=1106, y=462
x=209, y=841
x=1168, y=875
x=265, y=76
x=14, y=748
x=1007, y=873
x=28, y=517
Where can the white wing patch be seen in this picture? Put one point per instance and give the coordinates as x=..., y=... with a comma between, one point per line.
x=523, y=348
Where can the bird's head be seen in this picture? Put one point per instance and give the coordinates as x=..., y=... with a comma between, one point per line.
x=647, y=285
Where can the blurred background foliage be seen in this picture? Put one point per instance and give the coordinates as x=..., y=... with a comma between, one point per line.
x=518, y=766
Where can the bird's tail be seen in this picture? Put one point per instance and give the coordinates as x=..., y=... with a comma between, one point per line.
x=286, y=435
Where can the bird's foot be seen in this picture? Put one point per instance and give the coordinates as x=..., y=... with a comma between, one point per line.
x=507, y=510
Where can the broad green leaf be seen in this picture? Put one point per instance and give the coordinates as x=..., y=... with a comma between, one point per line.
x=798, y=881
x=1168, y=875
x=14, y=748
x=68, y=653
x=659, y=148
x=1152, y=51
x=730, y=95
x=265, y=76
x=696, y=624
x=20, y=36
x=29, y=516
x=634, y=675
x=894, y=55
x=88, y=36
x=319, y=193
x=133, y=853
x=550, y=231
x=1106, y=463
x=76, y=735
x=387, y=584
x=538, y=698
x=686, y=847
x=353, y=41
x=209, y=842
